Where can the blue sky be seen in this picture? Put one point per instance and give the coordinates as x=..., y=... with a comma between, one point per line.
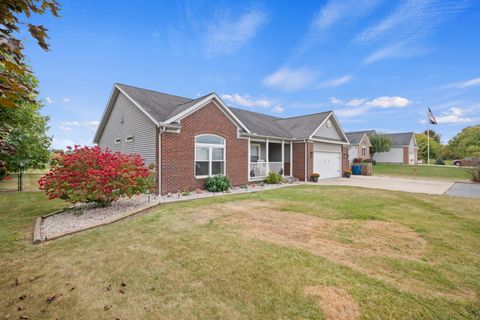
x=378, y=64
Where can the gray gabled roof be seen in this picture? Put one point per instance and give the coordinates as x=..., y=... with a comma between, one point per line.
x=302, y=127
x=355, y=137
x=399, y=139
x=161, y=107
x=261, y=124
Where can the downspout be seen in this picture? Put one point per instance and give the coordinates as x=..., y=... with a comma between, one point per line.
x=305, y=165
x=159, y=130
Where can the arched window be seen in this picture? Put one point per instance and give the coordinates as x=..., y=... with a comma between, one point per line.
x=209, y=155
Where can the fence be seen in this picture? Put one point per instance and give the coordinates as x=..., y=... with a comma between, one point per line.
x=20, y=182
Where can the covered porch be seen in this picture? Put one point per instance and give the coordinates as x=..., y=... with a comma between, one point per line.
x=267, y=156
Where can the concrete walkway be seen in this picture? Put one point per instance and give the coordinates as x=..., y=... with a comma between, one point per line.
x=390, y=183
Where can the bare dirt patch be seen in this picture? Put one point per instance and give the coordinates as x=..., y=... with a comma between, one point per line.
x=352, y=243
x=338, y=240
x=336, y=303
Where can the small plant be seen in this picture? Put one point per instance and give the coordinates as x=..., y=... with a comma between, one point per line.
x=218, y=183
x=186, y=192
x=440, y=162
x=474, y=173
x=273, y=178
x=315, y=177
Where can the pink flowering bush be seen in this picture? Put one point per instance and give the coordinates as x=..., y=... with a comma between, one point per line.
x=90, y=174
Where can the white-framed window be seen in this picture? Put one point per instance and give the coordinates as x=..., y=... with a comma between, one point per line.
x=364, y=151
x=254, y=152
x=209, y=155
x=129, y=138
x=118, y=140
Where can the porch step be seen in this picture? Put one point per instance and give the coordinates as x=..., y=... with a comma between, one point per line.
x=290, y=179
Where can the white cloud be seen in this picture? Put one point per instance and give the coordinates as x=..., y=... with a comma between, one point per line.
x=463, y=84
x=336, y=11
x=225, y=35
x=65, y=128
x=403, y=33
x=247, y=101
x=453, y=115
x=336, y=82
x=335, y=100
x=358, y=107
x=68, y=125
x=355, y=102
x=250, y=102
x=352, y=112
x=66, y=100
x=49, y=100
x=289, y=79
x=278, y=109
x=389, y=102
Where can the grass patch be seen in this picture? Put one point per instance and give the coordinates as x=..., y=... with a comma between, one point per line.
x=197, y=260
x=421, y=171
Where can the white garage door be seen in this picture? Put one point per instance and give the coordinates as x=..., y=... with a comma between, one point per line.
x=328, y=164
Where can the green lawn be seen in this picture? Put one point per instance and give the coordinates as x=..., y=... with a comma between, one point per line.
x=290, y=253
x=421, y=171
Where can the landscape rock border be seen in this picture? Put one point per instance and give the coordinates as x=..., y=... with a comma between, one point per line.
x=37, y=234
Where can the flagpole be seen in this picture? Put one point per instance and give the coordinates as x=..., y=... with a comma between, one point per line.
x=428, y=137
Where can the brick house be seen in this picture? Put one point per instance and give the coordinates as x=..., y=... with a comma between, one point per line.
x=403, y=147
x=359, y=145
x=190, y=139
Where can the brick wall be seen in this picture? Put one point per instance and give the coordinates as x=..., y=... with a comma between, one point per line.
x=345, y=160
x=299, y=160
x=178, y=150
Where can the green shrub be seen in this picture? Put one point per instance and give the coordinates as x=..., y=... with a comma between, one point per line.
x=217, y=183
x=273, y=178
x=474, y=173
x=440, y=162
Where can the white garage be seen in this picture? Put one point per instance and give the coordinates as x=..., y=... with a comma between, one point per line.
x=327, y=160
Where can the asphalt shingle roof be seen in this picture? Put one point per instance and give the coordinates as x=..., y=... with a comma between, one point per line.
x=261, y=124
x=162, y=106
x=354, y=137
x=302, y=127
x=399, y=139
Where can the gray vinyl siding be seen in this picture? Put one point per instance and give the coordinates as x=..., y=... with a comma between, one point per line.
x=135, y=123
x=326, y=132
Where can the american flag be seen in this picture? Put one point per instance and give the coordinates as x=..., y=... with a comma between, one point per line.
x=431, y=117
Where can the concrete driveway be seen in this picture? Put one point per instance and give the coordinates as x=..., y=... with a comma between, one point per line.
x=461, y=189
x=390, y=183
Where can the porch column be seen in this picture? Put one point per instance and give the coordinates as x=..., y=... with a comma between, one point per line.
x=291, y=158
x=248, y=161
x=283, y=160
x=266, y=156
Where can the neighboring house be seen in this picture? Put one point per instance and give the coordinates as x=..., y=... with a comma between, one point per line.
x=190, y=139
x=403, y=149
x=359, y=145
